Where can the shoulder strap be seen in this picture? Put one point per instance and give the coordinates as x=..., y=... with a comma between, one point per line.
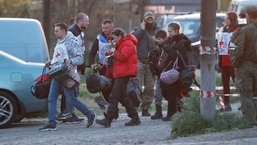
x=183, y=61
x=150, y=39
x=194, y=80
x=174, y=65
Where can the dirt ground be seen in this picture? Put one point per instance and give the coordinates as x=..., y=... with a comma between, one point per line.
x=150, y=132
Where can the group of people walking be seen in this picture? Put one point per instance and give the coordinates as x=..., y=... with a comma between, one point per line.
x=129, y=58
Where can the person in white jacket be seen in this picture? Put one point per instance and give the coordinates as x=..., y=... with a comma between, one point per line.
x=72, y=56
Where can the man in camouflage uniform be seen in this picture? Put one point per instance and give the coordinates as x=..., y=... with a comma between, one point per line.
x=244, y=59
x=146, y=41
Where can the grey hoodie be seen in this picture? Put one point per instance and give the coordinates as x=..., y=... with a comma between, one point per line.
x=74, y=50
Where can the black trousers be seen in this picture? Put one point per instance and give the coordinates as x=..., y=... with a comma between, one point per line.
x=119, y=94
x=171, y=94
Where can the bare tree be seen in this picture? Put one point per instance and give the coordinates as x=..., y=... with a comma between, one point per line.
x=46, y=19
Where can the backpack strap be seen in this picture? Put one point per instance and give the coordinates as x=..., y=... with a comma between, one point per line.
x=174, y=65
x=152, y=44
x=194, y=80
x=182, y=59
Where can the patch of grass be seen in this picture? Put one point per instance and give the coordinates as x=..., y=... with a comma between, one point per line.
x=189, y=122
x=228, y=121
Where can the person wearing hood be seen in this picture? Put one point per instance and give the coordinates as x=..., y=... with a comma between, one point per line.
x=145, y=35
x=67, y=51
x=123, y=68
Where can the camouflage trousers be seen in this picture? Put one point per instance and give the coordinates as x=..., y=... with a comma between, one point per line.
x=146, y=79
x=246, y=85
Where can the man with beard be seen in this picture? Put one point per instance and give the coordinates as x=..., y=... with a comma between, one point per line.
x=81, y=23
x=145, y=34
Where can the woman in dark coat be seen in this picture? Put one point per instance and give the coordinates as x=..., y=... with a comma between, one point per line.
x=176, y=44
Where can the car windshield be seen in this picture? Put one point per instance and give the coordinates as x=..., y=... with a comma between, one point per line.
x=164, y=20
x=24, y=41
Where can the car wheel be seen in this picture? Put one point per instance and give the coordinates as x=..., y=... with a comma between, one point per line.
x=8, y=109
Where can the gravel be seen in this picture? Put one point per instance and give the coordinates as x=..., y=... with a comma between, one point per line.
x=149, y=132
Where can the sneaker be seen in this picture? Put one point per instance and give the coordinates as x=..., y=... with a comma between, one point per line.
x=48, y=128
x=91, y=121
x=64, y=116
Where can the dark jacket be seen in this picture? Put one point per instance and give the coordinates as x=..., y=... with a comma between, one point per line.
x=245, y=46
x=75, y=30
x=181, y=44
x=144, y=44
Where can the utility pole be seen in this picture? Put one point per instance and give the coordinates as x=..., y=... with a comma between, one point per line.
x=208, y=59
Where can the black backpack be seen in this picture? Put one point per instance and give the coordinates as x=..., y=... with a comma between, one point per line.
x=96, y=83
x=187, y=77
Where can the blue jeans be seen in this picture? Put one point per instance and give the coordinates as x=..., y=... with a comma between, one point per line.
x=71, y=100
x=54, y=92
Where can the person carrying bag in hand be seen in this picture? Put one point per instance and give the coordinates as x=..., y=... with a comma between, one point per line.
x=124, y=66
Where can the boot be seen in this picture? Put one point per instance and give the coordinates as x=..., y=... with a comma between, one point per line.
x=166, y=118
x=115, y=117
x=172, y=109
x=145, y=113
x=104, y=122
x=158, y=113
x=134, y=121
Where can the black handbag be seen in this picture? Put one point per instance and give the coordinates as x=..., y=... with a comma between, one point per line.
x=134, y=91
x=41, y=86
x=97, y=83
